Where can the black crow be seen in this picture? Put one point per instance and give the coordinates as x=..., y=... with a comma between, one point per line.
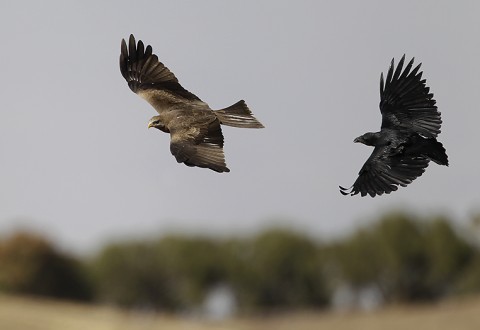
x=407, y=138
x=195, y=132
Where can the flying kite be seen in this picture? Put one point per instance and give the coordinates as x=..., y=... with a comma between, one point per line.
x=196, y=137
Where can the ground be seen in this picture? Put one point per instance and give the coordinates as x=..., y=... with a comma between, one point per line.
x=21, y=313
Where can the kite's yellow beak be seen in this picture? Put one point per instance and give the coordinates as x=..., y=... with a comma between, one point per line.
x=150, y=125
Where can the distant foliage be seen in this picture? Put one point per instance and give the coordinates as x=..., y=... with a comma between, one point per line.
x=469, y=280
x=278, y=269
x=449, y=256
x=170, y=274
x=30, y=265
x=402, y=258
x=406, y=258
x=130, y=275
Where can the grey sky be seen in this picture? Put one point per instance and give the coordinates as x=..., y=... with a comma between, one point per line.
x=78, y=163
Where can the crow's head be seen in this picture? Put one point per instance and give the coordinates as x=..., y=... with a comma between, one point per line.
x=368, y=139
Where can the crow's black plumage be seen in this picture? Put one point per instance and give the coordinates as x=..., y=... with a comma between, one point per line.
x=407, y=138
x=196, y=137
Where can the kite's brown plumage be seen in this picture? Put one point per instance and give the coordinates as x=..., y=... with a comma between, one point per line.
x=195, y=132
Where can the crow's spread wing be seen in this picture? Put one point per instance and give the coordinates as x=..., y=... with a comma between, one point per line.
x=198, y=141
x=145, y=74
x=406, y=102
x=385, y=170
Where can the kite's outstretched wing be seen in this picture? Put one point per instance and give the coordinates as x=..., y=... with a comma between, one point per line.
x=147, y=76
x=198, y=141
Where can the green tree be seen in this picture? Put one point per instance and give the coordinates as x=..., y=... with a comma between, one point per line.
x=196, y=264
x=172, y=273
x=131, y=275
x=277, y=269
x=29, y=264
x=448, y=255
x=407, y=258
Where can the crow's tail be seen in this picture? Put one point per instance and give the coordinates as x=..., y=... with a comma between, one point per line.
x=435, y=151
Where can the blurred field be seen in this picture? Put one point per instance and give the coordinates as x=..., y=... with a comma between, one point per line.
x=33, y=314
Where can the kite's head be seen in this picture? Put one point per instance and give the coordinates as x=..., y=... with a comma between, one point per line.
x=158, y=124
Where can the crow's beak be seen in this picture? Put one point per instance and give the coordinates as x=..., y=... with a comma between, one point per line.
x=357, y=140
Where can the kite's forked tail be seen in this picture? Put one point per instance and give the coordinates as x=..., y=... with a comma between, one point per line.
x=238, y=115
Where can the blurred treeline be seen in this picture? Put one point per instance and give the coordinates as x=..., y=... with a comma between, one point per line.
x=404, y=258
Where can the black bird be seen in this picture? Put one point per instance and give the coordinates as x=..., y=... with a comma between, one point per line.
x=195, y=132
x=407, y=138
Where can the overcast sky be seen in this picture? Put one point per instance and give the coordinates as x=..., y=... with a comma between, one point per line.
x=78, y=163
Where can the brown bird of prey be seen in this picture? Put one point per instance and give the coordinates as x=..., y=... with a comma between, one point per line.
x=195, y=132
x=407, y=140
